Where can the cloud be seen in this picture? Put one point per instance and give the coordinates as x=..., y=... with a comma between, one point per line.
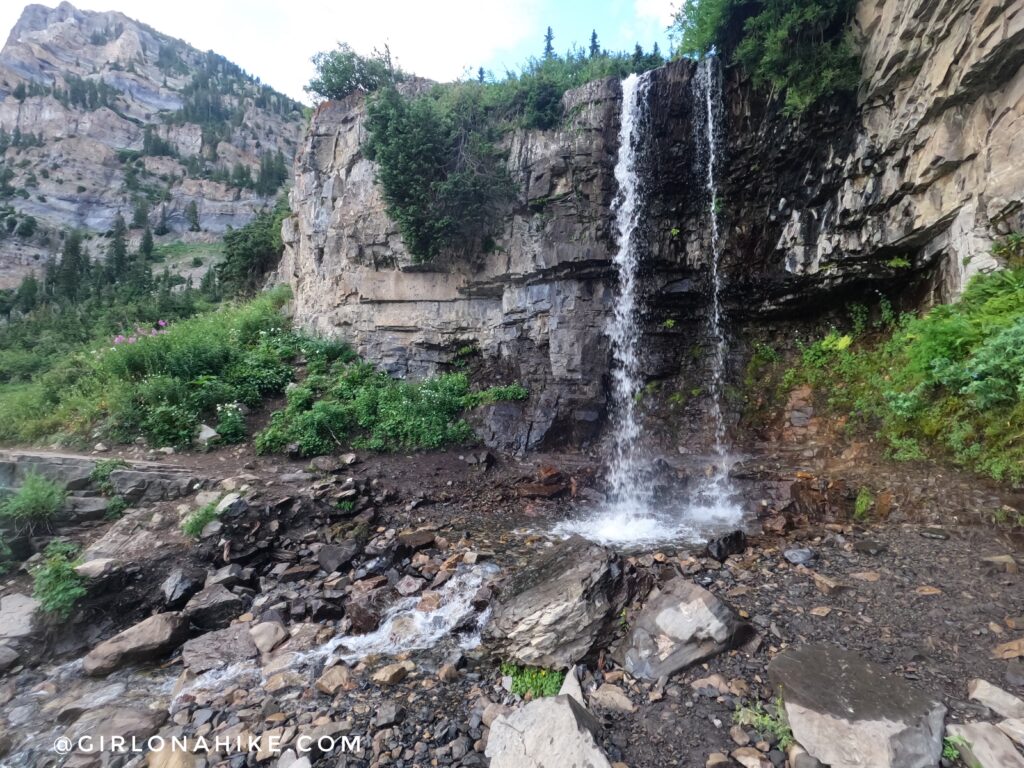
x=659, y=11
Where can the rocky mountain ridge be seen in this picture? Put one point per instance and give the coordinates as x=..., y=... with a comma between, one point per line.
x=101, y=115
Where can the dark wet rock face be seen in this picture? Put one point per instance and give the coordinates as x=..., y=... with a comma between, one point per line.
x=849, y=713
x=679, y=626
x=555, y=612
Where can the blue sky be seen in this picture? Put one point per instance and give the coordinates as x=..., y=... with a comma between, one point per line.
x=275, y=39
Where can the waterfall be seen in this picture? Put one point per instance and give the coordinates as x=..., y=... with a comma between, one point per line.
x=632, y=516
x=626, y=474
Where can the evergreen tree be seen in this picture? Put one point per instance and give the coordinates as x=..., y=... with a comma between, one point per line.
x=27, y=296
x=595, y=46
x=140, y=216
x=117, y=252
x=146, y=246
x=71, y=269
x=480, y=75
x=19, y=92
x=192, y=215
x=549, y=47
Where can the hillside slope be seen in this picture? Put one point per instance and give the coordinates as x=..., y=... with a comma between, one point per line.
x=101, y=115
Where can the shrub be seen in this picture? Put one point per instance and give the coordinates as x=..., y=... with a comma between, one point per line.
x=116, y=507
x=34, y=504
x=535, y=681
x=862, y=506
x=193, y=524
x=368, y=409
x=100, y=475
x=230, y=423
x=800, y=48
x=343, y=71
x=56, y=585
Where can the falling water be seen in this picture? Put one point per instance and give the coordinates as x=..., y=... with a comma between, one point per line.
x=717, y=491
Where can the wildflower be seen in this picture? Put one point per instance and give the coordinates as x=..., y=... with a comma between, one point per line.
x=131, y=339
x=162, y=323
x=119, y=339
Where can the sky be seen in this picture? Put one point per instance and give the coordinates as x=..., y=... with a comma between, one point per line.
x=442, y=40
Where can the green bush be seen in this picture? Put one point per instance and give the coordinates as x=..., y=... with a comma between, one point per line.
x=343, y=71
x=368, y=409
x=193, y=524
x=535, y=681
x=948, y=383
x=799, y=48
x=767, y=723
x=34, y=504
x=230, y=423
x=56, y=585
x=100, y=474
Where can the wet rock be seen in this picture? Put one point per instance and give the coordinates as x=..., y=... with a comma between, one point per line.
x=180, y=585
x=730, y=544
x=337, y=678
x=999, y=701
x=213, y=608
x=363, y=617
x=334, y=557
x=149, y=639
x=800, y=556
x=409, y=585
x=267, y=635
x=8, y=658
x=17, y=615
x=218, y=649
x=679, y=626
x=104, y=723
x=555, y=612
x=848, y=713
x=986, y=746
x=548, y=732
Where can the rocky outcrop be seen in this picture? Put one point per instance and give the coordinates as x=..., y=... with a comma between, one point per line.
x=679, y=626
x=80, y=176
x=898, y=192
x=556, y=612
x=848, y=713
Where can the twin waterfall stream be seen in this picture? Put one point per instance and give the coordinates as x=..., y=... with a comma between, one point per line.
x=633, y=516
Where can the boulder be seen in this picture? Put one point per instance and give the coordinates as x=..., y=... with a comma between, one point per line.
x=213, y=608
x=334, y=557
x=267, y=635
x=553, y=732
x=848, y=713
x=679, y=626
x=218, y=649
x=17, y=614
x=8, y=657
x=180, y=585
x=999, y=701
x=337, y=678
x=104, y=723
x=556, y=612
x=985, y=746
x=149, y=639
x=721, y=548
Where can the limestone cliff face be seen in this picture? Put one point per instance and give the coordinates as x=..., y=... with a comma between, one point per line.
x=81, y=89
x=923, y=167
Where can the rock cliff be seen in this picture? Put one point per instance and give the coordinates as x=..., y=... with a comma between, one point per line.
x=898, y=192
x=98, y=112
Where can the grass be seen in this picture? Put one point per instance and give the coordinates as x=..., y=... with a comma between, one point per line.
x=535, y=681
x=355, y=405
x=34, y=504
x=862, y=506
x=951, y=746
x=56, y=585
x=100, y=475
x=947, y=384
x=193, y=524
x=767, y=722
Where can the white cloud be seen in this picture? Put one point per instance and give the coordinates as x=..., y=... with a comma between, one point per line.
x=660, y=11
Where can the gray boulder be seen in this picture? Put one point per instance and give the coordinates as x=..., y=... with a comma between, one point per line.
x=848, y=713
x=213, y=608
x=17, y=614
x=986, y=746
x=8, y=658
x=553, y=732
x=149, y=639
x=680, y=625
x=215, y=650
x=558, y=610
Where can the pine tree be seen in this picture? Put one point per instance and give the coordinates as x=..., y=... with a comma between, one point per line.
x=549, y=48
x=19, y=92
x=595, y=46
x=117, y=252
x=146, y=246
x=27, y=295
x=192, y=215
x=140, y=216
x=71, y=268
x=480, y=75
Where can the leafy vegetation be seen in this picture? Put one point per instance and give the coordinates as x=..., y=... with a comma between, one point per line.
x=439, y=153
x=359, y=406
x=862, y=505
x=100, y=475
x=799, y=48
x=948, y=383
x=193, y=524
x=533, y=681
x=951, y=746
x=766, y=722
x=252, y=252
x=33, y=505
x=56, y=585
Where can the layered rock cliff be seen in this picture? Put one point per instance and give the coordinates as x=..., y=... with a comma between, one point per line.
x=98, y=111
x=899, y=192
